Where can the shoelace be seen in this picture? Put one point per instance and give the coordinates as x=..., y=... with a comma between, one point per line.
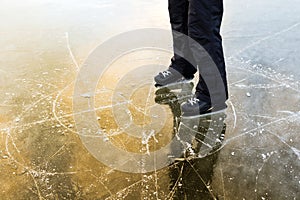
x=166, y=73
x=193, y=101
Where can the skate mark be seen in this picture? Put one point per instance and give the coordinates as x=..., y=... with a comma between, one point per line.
x=70, y=52
x=265, y=39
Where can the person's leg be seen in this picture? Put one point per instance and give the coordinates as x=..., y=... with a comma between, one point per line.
x=205, y=17
x=204, y=21
x=178, y=12
x=180, y=70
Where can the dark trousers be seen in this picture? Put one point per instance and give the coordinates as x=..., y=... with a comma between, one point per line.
x=201, y=21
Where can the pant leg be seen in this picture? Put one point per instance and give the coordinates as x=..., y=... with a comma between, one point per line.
x=178, y=12
x=205, y=17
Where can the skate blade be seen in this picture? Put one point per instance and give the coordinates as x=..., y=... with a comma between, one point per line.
x=176, y=85
x=187, y=158
x=204, y=115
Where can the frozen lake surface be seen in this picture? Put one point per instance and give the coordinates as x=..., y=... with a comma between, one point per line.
x=125, y=140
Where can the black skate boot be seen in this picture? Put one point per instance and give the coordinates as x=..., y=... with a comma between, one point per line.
x=194, y=107
x=170, y=78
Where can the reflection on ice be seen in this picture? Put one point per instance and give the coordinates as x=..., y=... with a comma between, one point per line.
x=197, y=136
